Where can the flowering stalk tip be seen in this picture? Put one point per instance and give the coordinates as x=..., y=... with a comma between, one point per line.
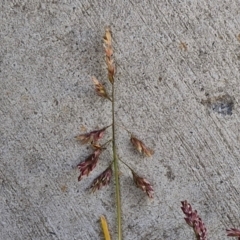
x=141, y=147
x=143, y=184
x=108, y=53
x=193, y=220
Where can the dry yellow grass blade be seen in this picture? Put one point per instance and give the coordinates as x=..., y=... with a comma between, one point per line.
x=105, y=228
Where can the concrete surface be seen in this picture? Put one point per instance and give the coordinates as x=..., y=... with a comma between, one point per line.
x=177, y=89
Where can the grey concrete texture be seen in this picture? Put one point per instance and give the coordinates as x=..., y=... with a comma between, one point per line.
x=177, y=89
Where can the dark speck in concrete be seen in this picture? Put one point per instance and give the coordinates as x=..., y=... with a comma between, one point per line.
x=223, y=108
x=222, y=104
x=170, y=175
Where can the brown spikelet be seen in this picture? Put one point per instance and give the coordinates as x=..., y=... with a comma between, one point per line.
x=92, y=137
x=141, y=147
x=108, y=37
x=143, y=184
x=88, y=164
x=102, y=180
x=100, y=89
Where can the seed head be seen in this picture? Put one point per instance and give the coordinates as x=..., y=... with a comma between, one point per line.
x=141, y=147
x=88, y=164
x=102, y=180
x=193, y=220
x=143, y=184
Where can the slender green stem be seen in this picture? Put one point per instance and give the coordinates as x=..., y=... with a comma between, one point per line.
x=116, y=172
x=124, y=128
x=126, y=164
x=106, y=143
